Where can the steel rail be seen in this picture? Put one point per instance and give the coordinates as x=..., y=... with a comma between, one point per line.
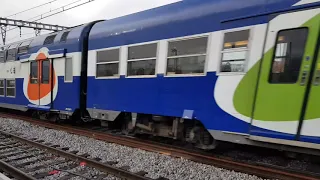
x=14, y=172
x=91, y=163
x=264, y=172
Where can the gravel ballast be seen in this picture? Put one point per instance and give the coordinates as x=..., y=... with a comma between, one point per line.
x=138, y=160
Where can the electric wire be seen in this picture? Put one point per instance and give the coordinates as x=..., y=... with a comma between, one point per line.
x=40, y=5
x=62, y=9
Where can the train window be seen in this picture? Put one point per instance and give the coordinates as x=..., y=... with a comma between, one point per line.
x=108, y=63
x=34, y=72
x=288, y=55
x=234, y=51
x=138, y=68
x=45, y=67
x=2, y=87
x=11, y=88
x=68, y=77
x=142, y=59
x=2, y=56
x=49, y=39
x=187, y=56
x=237, y=39
x=12, y=52
x=24, y=47
x=64, y=36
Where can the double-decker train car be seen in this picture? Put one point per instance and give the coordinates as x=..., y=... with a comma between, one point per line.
x=43, y=73
x=204, y=71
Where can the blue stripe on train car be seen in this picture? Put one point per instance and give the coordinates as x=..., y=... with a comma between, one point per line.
x=167, y=96
x=20, y=98
x=38, y=107
x=67, y=97
x=68, y=94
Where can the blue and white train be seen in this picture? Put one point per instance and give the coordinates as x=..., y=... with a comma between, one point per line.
x=204, y=71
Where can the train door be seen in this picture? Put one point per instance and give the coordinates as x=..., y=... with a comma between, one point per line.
x=309, y=129
x=285, y=74
x=41, y=81
x=45, y=83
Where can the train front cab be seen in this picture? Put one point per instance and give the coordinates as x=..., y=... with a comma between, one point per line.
x=285, y=108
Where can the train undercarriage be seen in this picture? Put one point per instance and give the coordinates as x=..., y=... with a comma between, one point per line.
x=131, y=124
x=185, y=130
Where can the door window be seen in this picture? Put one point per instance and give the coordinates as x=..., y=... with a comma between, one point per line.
x=288, y=55
x=68, y=77
x=34, y=72
x=45, y=72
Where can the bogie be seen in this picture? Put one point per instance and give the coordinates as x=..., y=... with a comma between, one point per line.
x=191, y=131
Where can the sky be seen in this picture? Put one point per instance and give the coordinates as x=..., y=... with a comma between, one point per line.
x=95, y=10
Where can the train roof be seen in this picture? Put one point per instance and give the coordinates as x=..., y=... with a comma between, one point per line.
x=67, y=38
x=178, y=19
x=183, y=18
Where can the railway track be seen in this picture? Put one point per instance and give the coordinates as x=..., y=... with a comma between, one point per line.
x=26, y=159
x=254, y=169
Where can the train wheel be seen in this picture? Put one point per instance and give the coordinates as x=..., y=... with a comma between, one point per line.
x=127, y=127
x=35, y=115
x=201, y=138
x=53, y=118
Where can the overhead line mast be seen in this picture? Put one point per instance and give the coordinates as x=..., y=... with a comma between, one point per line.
x=4, y=22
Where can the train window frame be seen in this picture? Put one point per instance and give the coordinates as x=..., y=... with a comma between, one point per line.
x=7, y=87
x=30, y=72
x=110, y=62
x=5, y=53
x=24, y=44
x=275, y=51
x=45, y=72
x=49, y=39
x=64, y=37
x=68, y=59
x=3, y=58
x=15, y=51
x=3, y=87
x=246, y=49
x=167, y=57
x=154, y=58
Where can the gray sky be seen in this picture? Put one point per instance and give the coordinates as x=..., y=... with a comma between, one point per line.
x=98, y=9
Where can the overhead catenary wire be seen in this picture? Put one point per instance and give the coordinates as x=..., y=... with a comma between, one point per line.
x=52, y=13
x=43, y=15
x=32, y=8
x=15, y=37
x=62, y=9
